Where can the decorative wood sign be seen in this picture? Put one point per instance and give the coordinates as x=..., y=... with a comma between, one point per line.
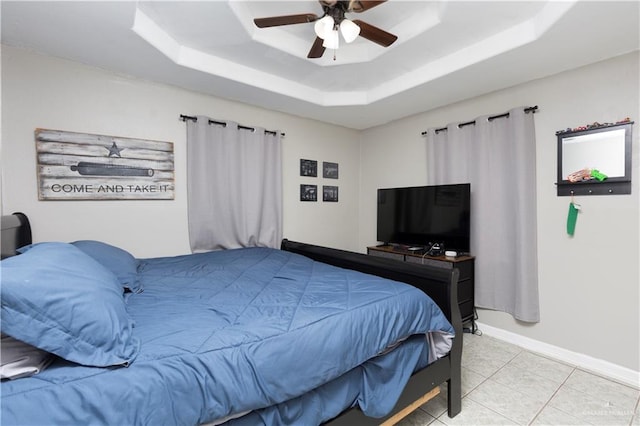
x=82, y=166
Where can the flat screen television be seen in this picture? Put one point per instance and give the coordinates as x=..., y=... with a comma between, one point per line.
x=424, y=215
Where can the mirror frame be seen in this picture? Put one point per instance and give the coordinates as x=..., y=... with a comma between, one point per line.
x=609, y=186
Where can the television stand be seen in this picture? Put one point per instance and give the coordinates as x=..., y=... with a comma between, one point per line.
x=465, y=265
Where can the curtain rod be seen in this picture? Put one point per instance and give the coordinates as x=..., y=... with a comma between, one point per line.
x=223, y=124
x=532, y=109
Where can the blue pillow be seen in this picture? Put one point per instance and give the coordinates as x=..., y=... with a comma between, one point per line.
x=115, y=259
x=57, y=298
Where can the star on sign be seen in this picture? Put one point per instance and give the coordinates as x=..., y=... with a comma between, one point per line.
x=114, y=150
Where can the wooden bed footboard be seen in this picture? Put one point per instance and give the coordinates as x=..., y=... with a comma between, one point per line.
x=441, y=285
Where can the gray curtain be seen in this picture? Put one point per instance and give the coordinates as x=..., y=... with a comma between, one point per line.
x=498, y=158
x=234, y=180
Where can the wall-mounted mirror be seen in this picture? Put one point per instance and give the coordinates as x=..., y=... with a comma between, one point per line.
x=595, y=161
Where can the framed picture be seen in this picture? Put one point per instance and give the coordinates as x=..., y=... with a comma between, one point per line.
x=329, y=170
x=308, y=168
x=308, y=192
x=330, y=193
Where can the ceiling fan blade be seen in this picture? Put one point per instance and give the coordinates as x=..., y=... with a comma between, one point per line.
x=276, y=21
x=363, y=5
x=375, y=34
x=317, y=50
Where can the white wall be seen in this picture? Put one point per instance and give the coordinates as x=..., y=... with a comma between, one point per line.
x=589, y=284
x=43, y=92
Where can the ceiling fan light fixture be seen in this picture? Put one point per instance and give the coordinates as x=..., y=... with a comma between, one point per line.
x=323, y=27
x=350, y=30
x=331, y=23
x=332, y=41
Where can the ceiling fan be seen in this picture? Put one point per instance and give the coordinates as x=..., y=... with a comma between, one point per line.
x=333, y=21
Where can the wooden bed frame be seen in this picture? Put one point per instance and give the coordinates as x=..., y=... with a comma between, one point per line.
x=439, y=284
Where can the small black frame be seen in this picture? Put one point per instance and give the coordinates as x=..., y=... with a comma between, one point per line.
x=329, y=170
x=308, y=192
x=330, y=193
x=308, y=168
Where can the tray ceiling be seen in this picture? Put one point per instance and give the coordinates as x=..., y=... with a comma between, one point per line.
x=446, y=51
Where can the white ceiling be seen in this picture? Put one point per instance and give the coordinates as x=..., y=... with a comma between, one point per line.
x=446, y=51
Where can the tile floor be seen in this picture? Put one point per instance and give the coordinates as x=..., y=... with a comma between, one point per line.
x=503, y=384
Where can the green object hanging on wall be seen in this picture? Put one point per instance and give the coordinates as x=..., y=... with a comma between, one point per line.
x=572, y=218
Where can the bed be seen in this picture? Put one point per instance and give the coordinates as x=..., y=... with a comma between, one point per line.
x=300, y=335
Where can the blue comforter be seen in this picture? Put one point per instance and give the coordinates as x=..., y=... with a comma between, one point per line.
x=234, y=331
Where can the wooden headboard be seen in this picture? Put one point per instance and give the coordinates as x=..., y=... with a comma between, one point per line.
x=16, y=233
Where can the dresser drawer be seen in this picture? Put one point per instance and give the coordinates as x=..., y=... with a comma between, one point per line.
x=466, y=310
x=429, y=262
x=466, y=269
x=465, y=290
x=386, y=254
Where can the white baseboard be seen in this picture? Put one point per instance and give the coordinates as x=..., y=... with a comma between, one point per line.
x=582, y=361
